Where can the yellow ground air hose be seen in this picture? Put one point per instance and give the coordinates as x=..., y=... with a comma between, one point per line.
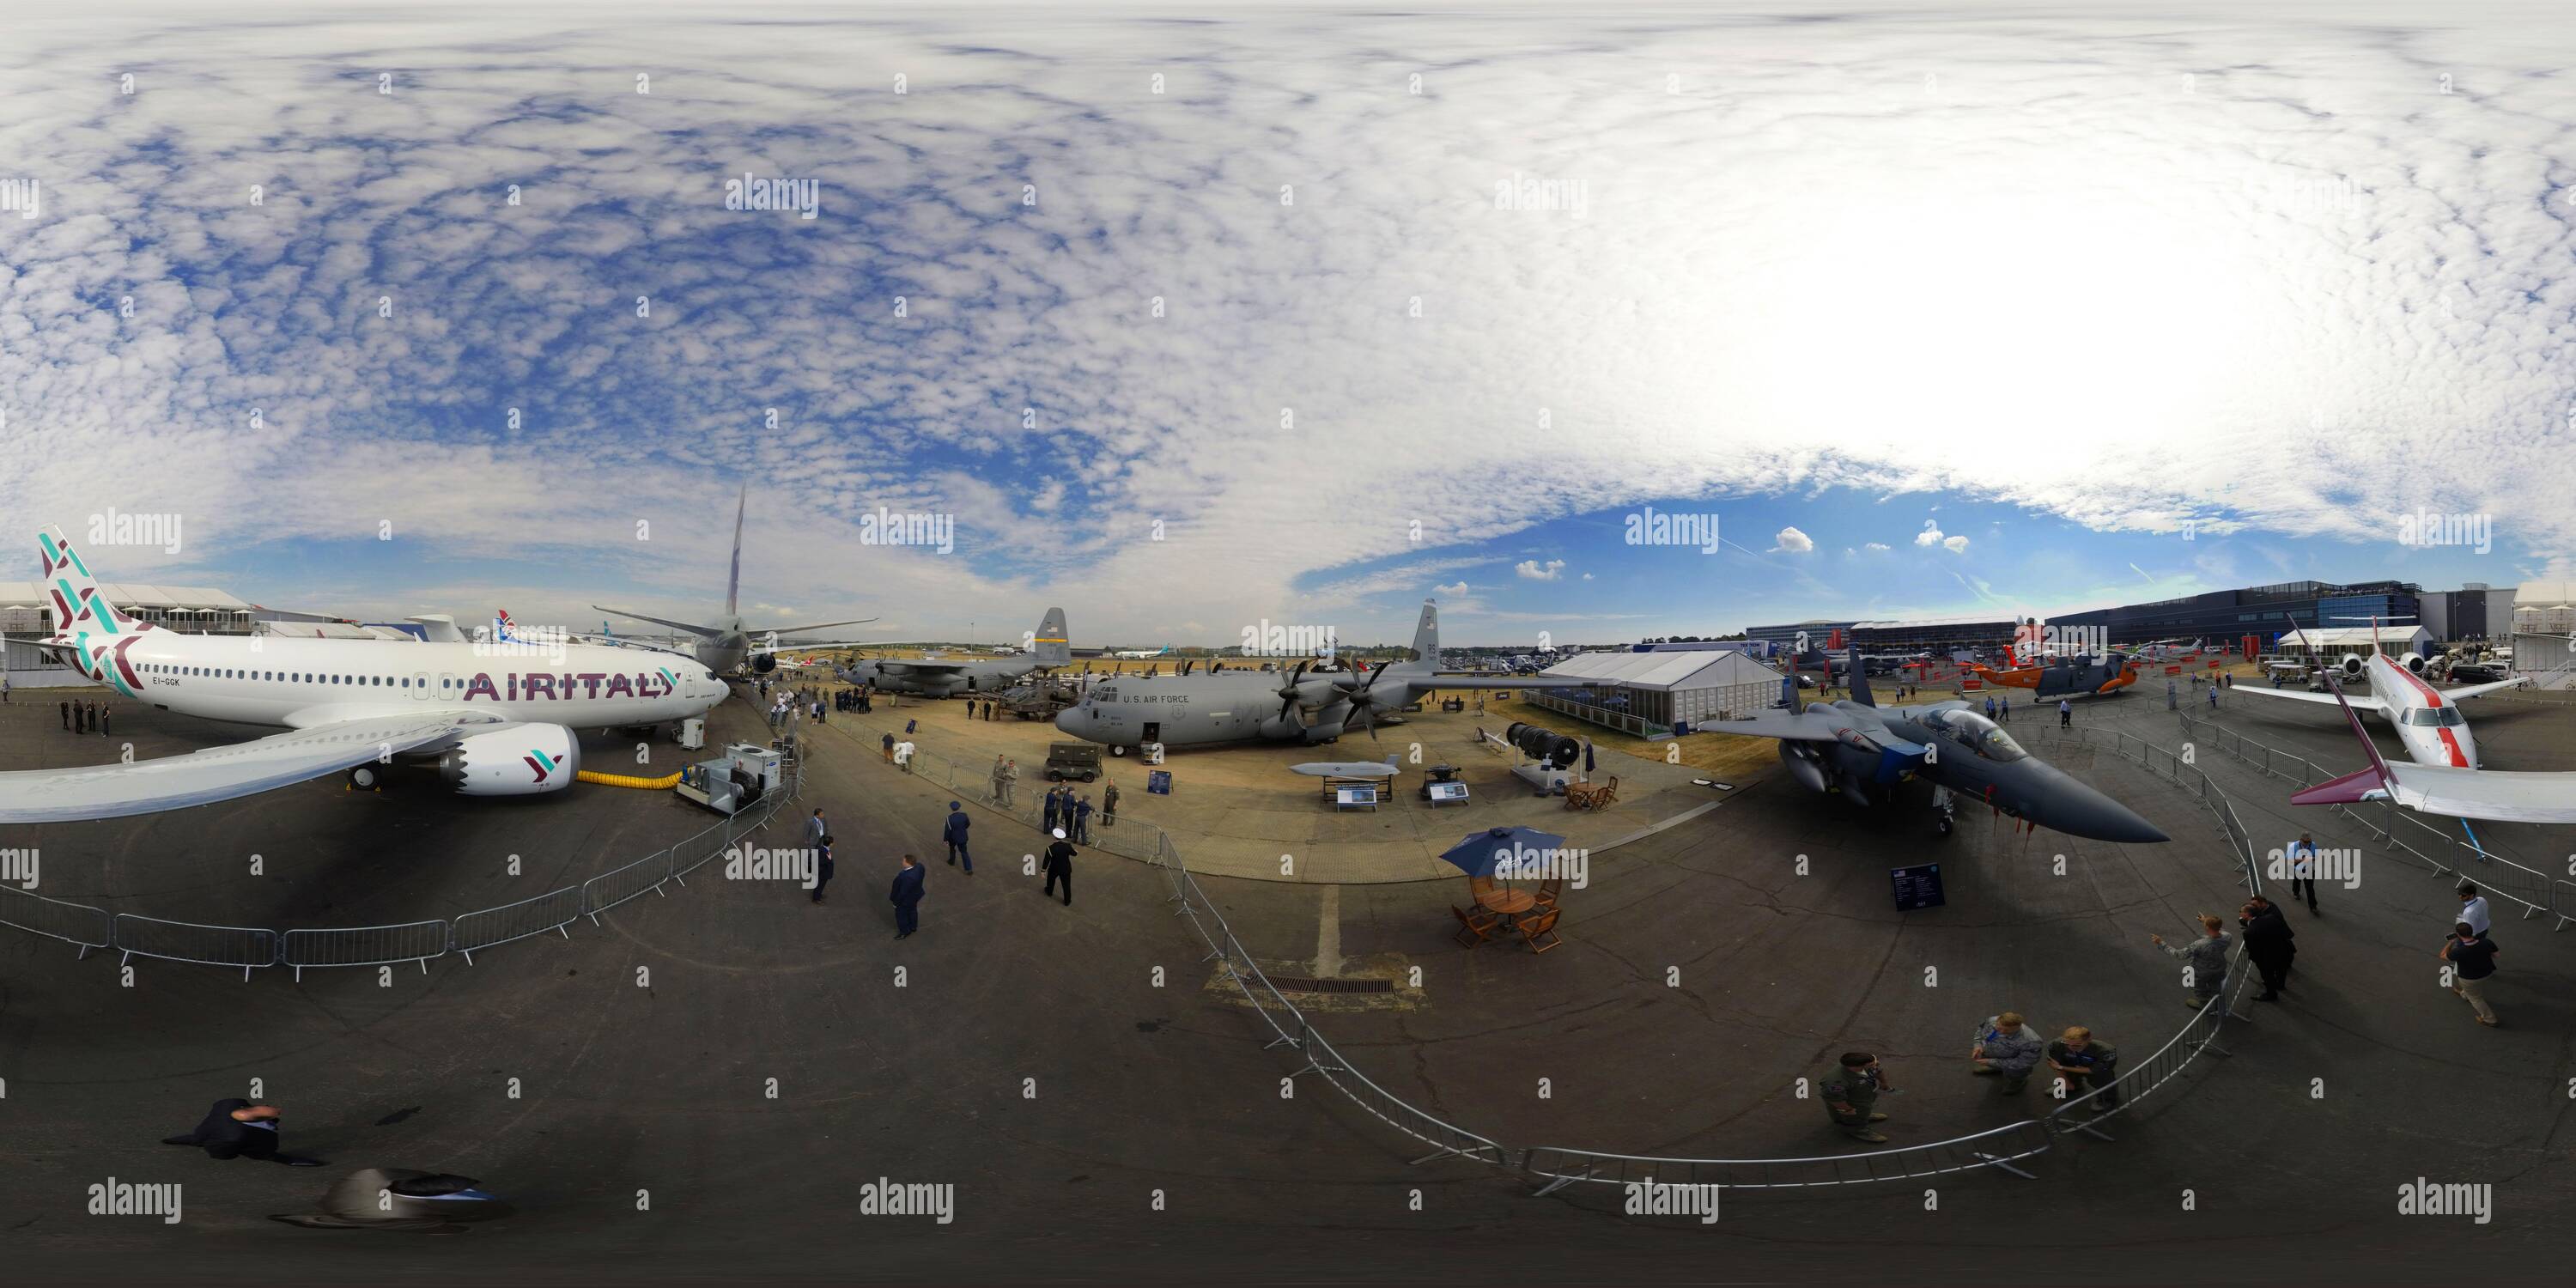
x=626, y=780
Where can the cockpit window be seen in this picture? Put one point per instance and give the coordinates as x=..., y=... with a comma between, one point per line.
x=1104, y=693
x=1978, y=734
x=2435, y=717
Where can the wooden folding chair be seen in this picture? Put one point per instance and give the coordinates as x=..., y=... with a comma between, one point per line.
x=1542, y=925
x=1474, y=929
x=1548, y=890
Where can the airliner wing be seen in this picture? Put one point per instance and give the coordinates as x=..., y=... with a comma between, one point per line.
x=790, y=630
x=2474, y=690
x=2499, y=795
x=706, y=631
x=2505, y=796
x=222, y=773
x=932, y=668
x=2366, y=702
x=813, y=646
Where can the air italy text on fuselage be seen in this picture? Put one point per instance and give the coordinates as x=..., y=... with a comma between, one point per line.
x=531, y=687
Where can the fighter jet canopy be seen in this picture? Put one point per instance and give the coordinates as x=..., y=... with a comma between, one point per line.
x=1978, y=734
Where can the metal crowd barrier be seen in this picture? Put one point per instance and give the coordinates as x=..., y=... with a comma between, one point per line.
x=1293, y=1031
x=617, y=885
x=366, y=946
x=71, y=923
x=2539, y=893
x=1998, y=1148
x=2137, y=1080
x=492, y=927
x=251, y=947
x=248, y=947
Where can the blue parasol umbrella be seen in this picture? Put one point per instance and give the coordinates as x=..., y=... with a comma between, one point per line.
x=1478, y=853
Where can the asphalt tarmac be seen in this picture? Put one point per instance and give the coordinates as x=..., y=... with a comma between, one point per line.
x=699, y=1088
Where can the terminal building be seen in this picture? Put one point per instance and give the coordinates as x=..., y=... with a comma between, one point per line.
x=27, y=610
x=1784, y=638
x=1647, y=694
x=2225, y=616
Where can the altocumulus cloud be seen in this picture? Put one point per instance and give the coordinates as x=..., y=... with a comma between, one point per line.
x=2132, y=244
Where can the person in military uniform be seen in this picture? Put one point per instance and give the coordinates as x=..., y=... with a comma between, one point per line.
x=1851, y=1096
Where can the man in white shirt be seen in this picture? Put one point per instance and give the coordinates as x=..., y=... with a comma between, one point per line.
x=2473, y=907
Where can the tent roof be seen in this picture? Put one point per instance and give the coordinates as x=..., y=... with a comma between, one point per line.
x=1692, y=670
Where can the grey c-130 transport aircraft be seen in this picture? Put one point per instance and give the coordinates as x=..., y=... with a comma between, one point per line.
x=941, y=677
x=1863, y=750
x=1163, y=712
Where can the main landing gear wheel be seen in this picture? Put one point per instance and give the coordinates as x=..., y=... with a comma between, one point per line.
x=1118, y=751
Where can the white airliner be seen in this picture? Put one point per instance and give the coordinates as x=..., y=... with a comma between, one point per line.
x=2444, y=788
x=498, y=718
x=1140, y=654
x=727, y=643
x=2427, y=719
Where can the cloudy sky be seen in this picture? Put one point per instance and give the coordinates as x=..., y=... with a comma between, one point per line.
x=1301, y=315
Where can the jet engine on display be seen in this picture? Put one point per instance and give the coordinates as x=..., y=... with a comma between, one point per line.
x=2351, y=666
x=520, y=760
x=1555, y=749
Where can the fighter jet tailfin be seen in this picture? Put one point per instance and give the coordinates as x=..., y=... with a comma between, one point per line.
x=1859, y=680
x=733, y=575
x=1051, y=646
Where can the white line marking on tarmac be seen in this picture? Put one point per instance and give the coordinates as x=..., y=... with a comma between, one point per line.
x=1328, y=934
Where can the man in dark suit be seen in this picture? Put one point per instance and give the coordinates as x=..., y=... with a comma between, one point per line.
x=822, y=865
x=237, y=1128
x=1058, y=866
x=906, y=897
x=953, y=831
x=1049, y=824
x=2267, y=945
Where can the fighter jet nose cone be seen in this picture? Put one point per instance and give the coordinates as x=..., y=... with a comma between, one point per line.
x=2092, y=815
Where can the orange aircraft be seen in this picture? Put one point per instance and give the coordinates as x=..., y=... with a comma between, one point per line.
x=2065, y=679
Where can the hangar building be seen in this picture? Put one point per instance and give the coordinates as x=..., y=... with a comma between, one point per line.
x=1647, y=693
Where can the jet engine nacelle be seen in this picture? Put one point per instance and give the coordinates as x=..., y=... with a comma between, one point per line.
x=764, y=663
x=522, y=760
x=2413, y=662
x=2351, y=666
x=1804, y=764
x=1556, y=749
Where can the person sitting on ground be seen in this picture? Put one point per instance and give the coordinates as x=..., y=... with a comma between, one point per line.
x=2006, y=1046
x=2085, y=1066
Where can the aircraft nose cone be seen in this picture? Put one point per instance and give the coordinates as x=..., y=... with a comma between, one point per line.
x=1064, y=720
x=2078, y=809
x=2086, y=812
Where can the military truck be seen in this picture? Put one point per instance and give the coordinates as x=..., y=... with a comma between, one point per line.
x=1079, y=761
